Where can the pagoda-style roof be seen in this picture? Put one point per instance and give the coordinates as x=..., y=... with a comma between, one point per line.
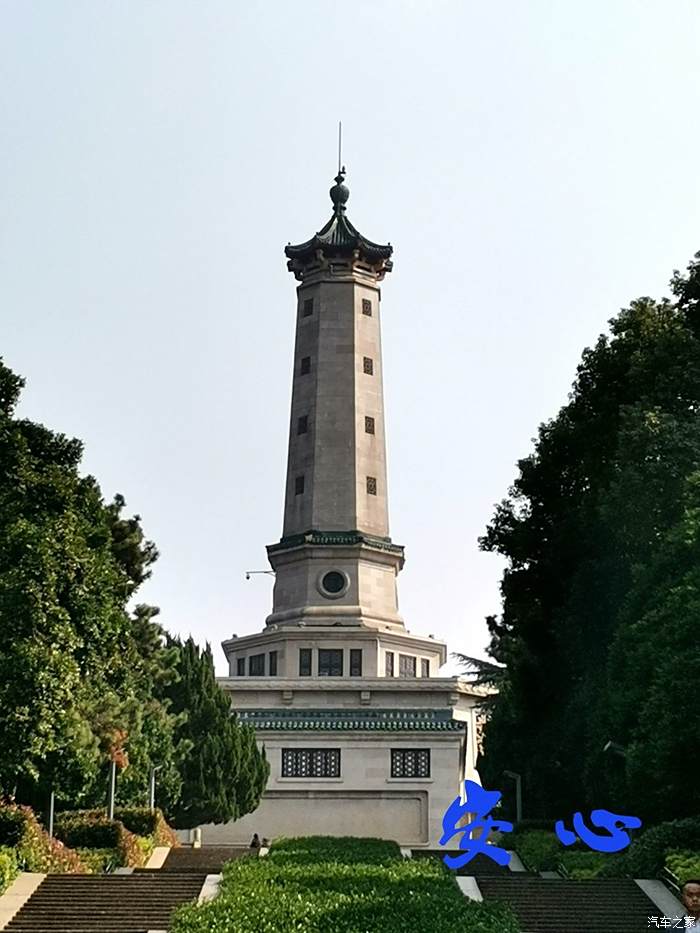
x=339, y=237
x=345, y=720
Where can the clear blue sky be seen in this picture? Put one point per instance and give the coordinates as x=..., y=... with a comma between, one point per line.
x=535, y=164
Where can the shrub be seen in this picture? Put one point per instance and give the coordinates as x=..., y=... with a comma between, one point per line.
x=526, y=826
x=352, y=885
x=684, y=864
x=91, y=829
x=9, y=869
x=99, y=861
x=646, y=856
x=539, y=850
x=36, y=851
x=148, y=823
x=583, y=866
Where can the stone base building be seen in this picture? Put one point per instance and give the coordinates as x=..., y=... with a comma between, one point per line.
x=363, y=736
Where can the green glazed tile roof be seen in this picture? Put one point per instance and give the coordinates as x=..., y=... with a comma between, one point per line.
x=339, y=720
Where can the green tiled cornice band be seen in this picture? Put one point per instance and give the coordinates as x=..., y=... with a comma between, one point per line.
x=413, y=720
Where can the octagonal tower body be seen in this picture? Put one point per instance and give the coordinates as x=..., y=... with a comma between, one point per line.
x=336, y=563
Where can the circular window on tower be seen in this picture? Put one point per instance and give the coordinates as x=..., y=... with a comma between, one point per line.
x=333, y=584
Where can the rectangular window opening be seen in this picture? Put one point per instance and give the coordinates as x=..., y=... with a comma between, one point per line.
x=311, y=762
x=424, y=667
x=256, y=665
x=305, y=365
x=308, y=307
x=389, y=663
x=330, y=662
x=407, y=665
x=369, y=424
x=356, y=662
x=303, y=424
x=305, y=662
x=372, y=485
x=272, y=661
x=298, y=485
x=368, y=365
x=410, y=762
x=367, y=307
x=240, y=667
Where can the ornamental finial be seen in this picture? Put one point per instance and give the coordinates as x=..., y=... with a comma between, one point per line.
x=339, y=192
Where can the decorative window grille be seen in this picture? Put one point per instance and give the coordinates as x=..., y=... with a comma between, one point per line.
x=303, y=424
x=424, y=667
x=308, y=307
x=240, y=667
x=356, y=662
x=311, y=762
x=305, y=662
x=389, y=663
x=368, y=365
x=305, y=365
x=367, y=307
x=330, y=662
x=407, y=665
x=298, y=485
x=410, y=762
x=372, y=485
x=272, y=664
x=369, y=424
x=256, y=665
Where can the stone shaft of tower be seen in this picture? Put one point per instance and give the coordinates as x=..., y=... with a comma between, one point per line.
x=336, y=473
x=336, y=563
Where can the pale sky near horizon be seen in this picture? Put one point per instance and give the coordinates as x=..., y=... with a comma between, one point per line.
x=535, y=165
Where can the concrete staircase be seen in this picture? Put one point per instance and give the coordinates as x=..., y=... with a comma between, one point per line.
x=549, y=905
x=132, y=903
x=207, y=860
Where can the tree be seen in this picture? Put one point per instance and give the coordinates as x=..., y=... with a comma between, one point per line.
x=224, y=775
x=599, y=594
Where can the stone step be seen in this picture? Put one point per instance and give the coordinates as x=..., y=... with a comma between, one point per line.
x=546, y=905
x=106, y=903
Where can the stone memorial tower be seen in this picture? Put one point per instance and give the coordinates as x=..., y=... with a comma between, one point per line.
x=363, y=735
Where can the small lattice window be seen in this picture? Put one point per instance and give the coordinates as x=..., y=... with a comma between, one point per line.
x=240, y=667
x=330, y=662
x=367, y=307
x=389, y=664
x=272, y=666
x=371, y=485
x=308, y=307
x=356, y=662
x=305, y=365
x=407, y=665
x=368, y=366
x=302, y=424
x=298, y=485
x=424, y=667
x=311, y=762
x=305, y=662
x=369, y=424
x=410, y=762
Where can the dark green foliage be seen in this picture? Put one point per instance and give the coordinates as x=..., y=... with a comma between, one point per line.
x=224, y=775
x=144, y=822
x=601, y=595
x=646, y=856
x=539, y=849
x=308, y=884
x=84, y=680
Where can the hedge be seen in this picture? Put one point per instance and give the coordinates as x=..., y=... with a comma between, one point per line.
x=539, y=849
x=35, y=850
x=646, y=856
x=91, y=829
x=684, y=864
x=340, y=885
x=9, y=869
x=148, y=823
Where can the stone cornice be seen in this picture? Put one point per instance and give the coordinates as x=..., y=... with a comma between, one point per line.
x=335, y=539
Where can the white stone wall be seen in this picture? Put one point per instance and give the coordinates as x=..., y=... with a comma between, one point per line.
x=364, y=801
